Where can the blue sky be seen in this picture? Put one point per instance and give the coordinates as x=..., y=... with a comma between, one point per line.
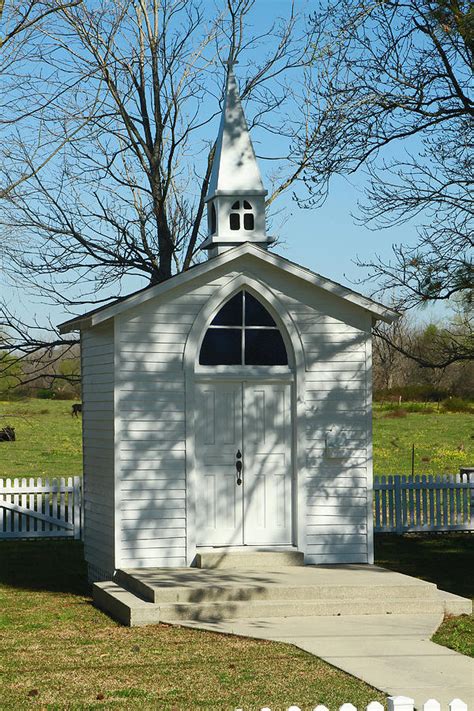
x=325, y=240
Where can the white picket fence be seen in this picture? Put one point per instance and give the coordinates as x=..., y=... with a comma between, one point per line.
x=40, y=508
x=423, y=503
x=394, y=703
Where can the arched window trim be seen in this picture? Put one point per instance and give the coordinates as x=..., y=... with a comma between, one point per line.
x=243, y=328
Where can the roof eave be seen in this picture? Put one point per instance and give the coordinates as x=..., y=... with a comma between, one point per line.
x=379, y=311
x=75, y=324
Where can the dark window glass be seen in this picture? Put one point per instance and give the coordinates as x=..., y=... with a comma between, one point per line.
x=264, y=348
x=255, y=313
x=221, y=346
x=231, y=313
x=248, y=221
x=213, y=219
x=236, y=205
x=247, y=205
x=234, y=221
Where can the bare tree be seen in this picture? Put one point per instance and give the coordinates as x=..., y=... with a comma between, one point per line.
x=26, y=104
x=137, y=86
x=127, y=196
x=401, y=108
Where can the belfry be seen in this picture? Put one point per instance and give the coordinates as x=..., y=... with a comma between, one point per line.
x=236, y=196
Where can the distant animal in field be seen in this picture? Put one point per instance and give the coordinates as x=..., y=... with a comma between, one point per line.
x=7, y=434
x=76, y=409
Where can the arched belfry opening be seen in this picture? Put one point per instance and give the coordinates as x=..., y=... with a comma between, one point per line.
x=213, y=220
x=243, y=333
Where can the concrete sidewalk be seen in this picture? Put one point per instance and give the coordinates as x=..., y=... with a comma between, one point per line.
x=391, y=652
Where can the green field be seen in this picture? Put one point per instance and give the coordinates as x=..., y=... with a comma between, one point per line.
x=49, y=440
x=443, y=442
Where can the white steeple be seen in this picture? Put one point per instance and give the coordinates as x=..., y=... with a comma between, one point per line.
x=236, y=196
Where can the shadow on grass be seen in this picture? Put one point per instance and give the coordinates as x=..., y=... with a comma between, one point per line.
x=56, y=566
x=446, y=559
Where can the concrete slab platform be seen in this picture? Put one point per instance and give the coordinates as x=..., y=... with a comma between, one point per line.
x=343, y=581
x=213, y=594
x=391, y=652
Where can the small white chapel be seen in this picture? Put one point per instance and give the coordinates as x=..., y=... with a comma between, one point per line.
x=229, y=407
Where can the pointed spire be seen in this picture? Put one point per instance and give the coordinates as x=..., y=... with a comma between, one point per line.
x=234, y=169
x=236, y=196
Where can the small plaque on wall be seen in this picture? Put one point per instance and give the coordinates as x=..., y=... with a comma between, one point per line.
x=334, y=446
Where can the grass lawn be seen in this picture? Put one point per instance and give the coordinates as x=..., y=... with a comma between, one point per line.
x=57, y=651
x=445, y=559
x=48, y=439
x=443, y=442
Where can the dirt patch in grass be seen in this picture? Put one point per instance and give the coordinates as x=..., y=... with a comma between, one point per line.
x=395, y=414
x=54, y=643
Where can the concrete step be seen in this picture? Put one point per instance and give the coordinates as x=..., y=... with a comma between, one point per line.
x=191, y=588
x=455, y=604
x=132, y=610
x=124, y=606
x=249, y=559
x=217, y=611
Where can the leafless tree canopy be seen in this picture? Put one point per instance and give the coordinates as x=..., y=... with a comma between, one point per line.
x=107, y=109
x=402, y=109
x=142, y=81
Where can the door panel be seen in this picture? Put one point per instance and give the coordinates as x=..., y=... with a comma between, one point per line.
x=255, y=419
x=267, y=464
x=218, y=437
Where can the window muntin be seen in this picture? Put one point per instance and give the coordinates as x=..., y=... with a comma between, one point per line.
x=243, y=333
x=242, y=213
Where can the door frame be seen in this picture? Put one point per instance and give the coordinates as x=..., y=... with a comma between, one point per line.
x=295, y=374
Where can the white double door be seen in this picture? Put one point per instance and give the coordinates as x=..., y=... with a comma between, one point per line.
x=249, y=423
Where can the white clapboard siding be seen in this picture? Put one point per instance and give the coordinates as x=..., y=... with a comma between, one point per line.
x=98, y=365
x=333, y=336
x=40, y=508
x=423, y=503
x=152, y=446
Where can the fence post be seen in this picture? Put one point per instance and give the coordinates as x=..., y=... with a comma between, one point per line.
x=432, y=705
x=375, y=706
x=471, y=509
x=397, y=480
x=77, y=507
x=457, y=705
x=400, y=703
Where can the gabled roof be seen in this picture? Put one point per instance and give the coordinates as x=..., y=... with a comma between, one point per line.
x=234, y=168
x=103, y=313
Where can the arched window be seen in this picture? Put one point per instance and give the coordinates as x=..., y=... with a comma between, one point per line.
x=242, y=212
x=243, y=333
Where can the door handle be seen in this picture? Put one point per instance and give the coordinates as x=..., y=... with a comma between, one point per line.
x=238, y=466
